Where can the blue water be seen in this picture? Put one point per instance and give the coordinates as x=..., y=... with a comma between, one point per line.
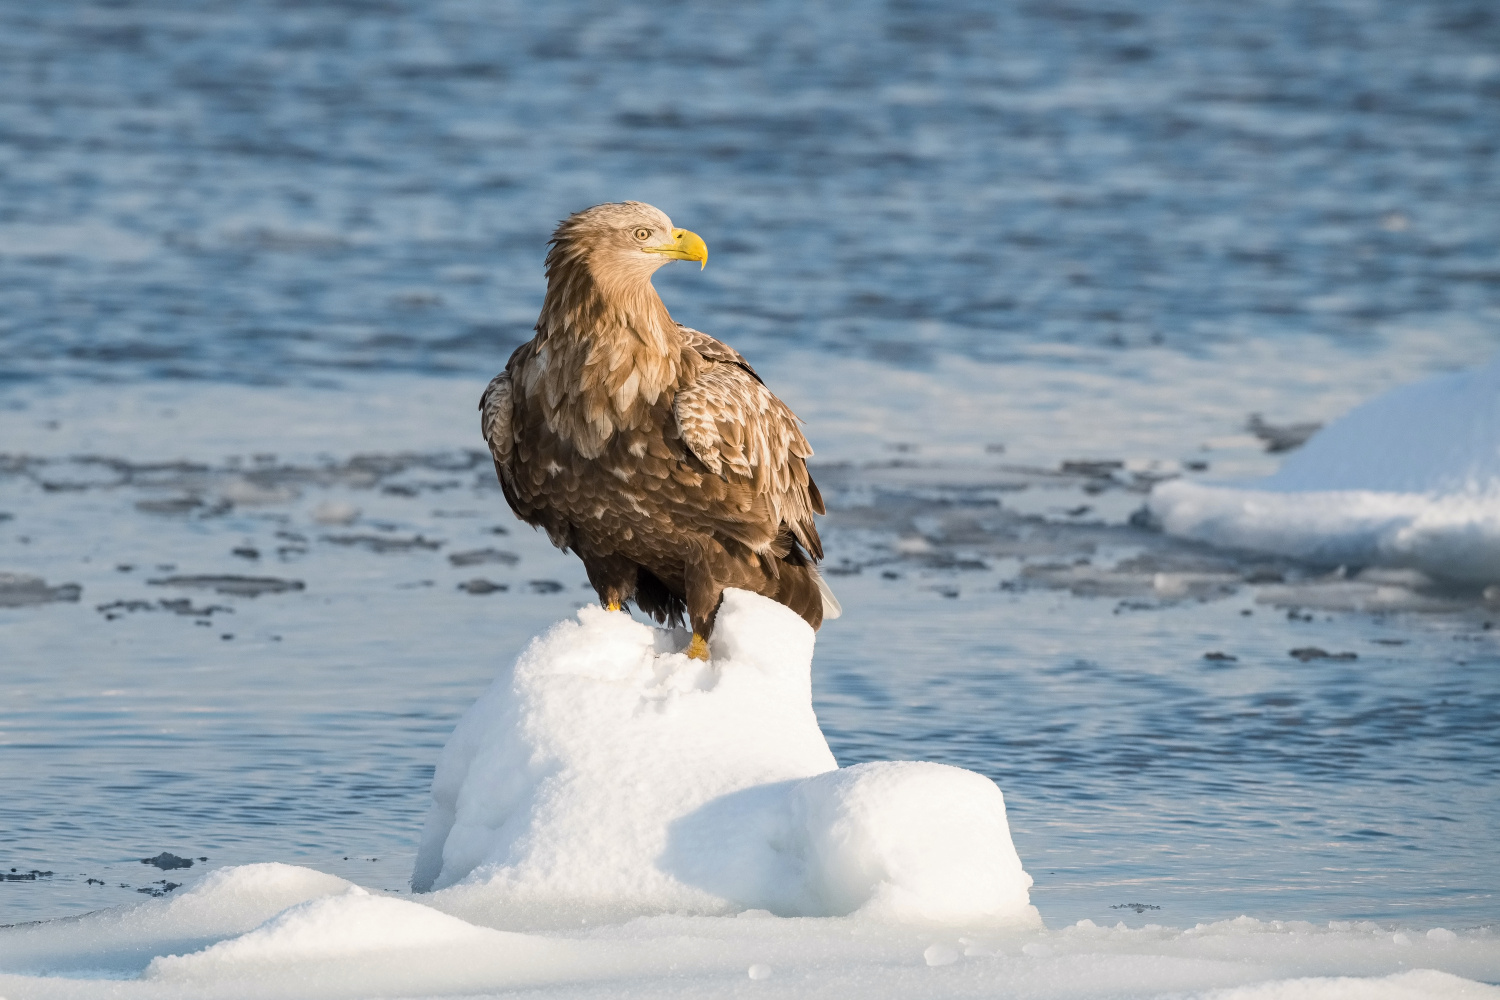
x=261, y=191
x=294, y=196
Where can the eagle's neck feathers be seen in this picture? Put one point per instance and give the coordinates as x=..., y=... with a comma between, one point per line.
x=606, y=351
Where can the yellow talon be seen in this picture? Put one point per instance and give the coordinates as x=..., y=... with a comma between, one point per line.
x=612, y=606
x=698, y=648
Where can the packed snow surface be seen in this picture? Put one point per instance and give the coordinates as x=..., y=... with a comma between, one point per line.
x=612, y=817
x=280, y=931
x=1410, y=479
x=608, y=774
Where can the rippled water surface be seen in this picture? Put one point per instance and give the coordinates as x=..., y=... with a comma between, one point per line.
x=249, y=190
x=970, y=242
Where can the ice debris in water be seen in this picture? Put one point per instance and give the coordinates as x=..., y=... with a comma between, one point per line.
x=1410, y=479
x=608, y=774
x=335, y=512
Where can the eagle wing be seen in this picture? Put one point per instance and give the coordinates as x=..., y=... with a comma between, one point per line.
x=739, y=430
x=496, y=417
x=714, y=349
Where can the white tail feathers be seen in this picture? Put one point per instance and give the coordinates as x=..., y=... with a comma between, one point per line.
x=831, y=606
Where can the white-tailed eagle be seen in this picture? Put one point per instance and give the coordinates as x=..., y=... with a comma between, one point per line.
x=653, y=451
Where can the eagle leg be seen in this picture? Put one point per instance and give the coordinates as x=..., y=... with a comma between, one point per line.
x=702, y=574
x=613, y=578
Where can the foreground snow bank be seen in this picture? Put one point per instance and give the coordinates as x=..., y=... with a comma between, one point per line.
x=334, y=940
x=607, y=775
x=1410, y=479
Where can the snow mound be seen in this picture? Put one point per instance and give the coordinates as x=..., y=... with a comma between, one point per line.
x=607, y=775
x=330, y=927
x=1410, y=479
x=356, y=942
x=124, y=939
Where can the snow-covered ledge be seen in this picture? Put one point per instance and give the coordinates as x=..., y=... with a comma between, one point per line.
x=1410, y=479
x=607, y=775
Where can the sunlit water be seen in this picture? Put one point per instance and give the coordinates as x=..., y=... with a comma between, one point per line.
x=968, y=242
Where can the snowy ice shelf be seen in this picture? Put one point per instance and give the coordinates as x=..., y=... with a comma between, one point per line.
x=1410, y=479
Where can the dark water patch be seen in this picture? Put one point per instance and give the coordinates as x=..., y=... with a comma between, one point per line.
x=167, y=861
x=20, y=590
x=203, y=488
x=232, y=584
x=479, y=557
x=1307, y=654
x=480, y=586
x=159, y=888
x=172, y=505
x=179, y=606
x=385, y=543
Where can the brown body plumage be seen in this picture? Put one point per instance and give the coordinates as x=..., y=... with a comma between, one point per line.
x=651, y=450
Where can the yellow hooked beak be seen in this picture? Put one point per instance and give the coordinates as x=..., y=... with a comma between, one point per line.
x=685, y=245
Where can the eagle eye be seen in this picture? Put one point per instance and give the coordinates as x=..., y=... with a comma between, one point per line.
x=643, y=234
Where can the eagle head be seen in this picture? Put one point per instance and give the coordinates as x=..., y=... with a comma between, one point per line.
x=625, y=240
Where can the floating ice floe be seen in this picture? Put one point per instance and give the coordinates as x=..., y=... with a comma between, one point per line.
x=614, y=818
x=1410, y=480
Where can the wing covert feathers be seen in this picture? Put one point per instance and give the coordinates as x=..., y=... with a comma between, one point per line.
x=740, y=431
x=713, y=349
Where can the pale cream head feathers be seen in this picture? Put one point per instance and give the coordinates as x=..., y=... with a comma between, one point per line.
x=622, y=242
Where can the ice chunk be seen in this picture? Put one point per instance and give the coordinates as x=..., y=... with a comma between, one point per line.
x=1410, y=479
x=908, y=841
x=335, y=512
x=607, y=774
x=940, y=954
